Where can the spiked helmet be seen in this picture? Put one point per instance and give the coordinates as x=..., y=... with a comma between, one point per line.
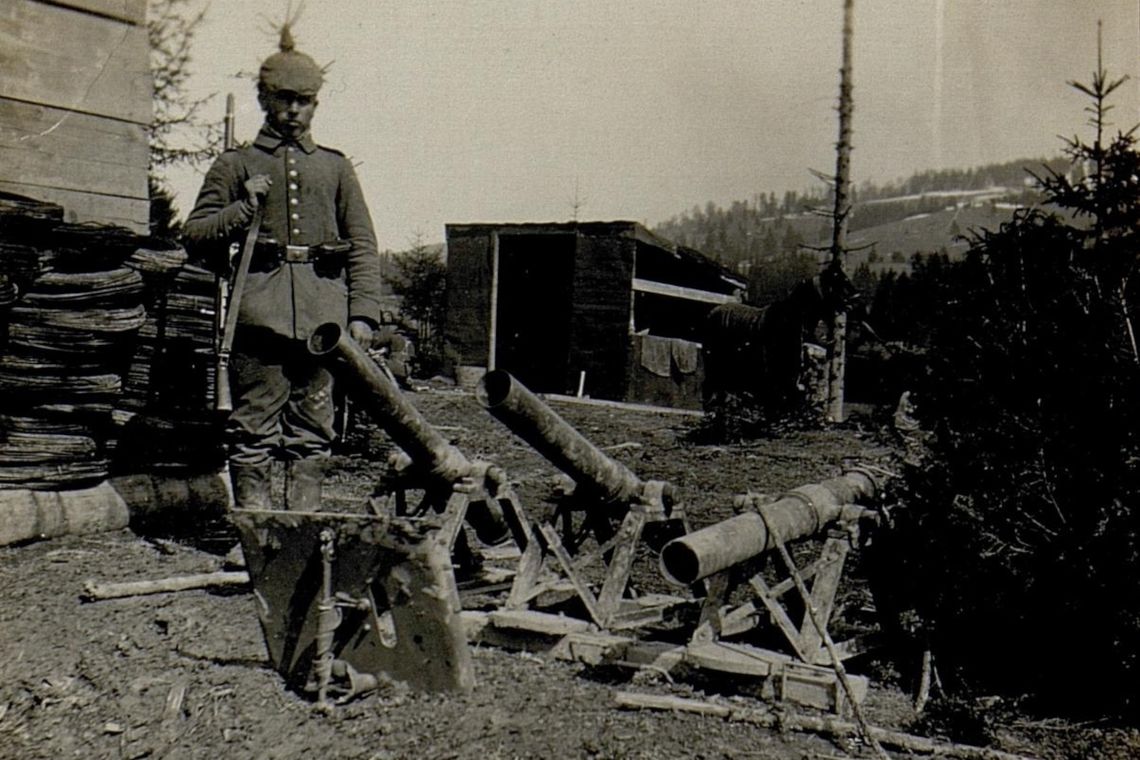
x=290, y=69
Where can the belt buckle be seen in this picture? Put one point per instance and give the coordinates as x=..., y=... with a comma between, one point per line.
x=297, y=254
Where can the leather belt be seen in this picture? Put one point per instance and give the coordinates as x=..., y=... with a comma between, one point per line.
x=273, y=252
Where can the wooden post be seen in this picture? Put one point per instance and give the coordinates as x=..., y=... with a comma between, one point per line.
x=228, y=138
x=493, y=327
x=837, y=366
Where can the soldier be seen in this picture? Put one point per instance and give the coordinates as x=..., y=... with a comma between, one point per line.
x=315, y=262
x=395, y=351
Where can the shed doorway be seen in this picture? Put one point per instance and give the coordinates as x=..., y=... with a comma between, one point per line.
x=535, y=286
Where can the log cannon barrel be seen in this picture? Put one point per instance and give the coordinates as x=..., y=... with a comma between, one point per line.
x=531, y=419
x=379, y=395
x=801, y=512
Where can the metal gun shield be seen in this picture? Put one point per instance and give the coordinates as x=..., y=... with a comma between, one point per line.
x=392, y=586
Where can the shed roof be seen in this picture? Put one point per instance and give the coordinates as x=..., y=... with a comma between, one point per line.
x=701, y=266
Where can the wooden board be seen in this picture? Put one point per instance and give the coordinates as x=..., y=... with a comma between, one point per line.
x=131, y=11
x=592, y=648
x=53, y=170
x=132, y=213
x=76, y=61
x=51, y=147
x=782, y=676
x=540, y=622
x=677, y=291
x=738, y=659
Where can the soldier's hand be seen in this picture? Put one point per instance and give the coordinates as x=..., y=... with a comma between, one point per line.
x=361, y=332
x=257, y=187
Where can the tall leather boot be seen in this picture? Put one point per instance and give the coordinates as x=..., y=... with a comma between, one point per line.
x=303, y=478
x=251, y=491
x=251, y=486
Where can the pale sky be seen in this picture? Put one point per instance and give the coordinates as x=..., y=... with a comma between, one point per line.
x=496, y=110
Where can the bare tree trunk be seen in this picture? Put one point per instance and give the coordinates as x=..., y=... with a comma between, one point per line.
x=837, y=366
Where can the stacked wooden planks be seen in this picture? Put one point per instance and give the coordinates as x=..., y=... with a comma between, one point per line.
x=105, y=359
x=165, y=414
x=69, y=330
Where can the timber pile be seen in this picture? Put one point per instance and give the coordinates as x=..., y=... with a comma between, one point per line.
x=105, y=339
x=69, y=331
x=165, y=415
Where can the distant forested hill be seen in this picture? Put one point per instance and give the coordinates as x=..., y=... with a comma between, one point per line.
x=922, y=214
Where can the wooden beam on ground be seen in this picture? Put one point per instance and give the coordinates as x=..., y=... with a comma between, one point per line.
x=94, y=591
x=150, y=497
x=575, y=640
x=827, y=726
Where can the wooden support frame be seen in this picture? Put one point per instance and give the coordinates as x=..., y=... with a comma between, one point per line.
x=809, y=670
x=454, y=507
x=720, y=621
x=802, y=677
x=557, y=560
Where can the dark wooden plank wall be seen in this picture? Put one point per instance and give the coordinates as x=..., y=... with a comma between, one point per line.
x=75, y=99
x=599, y=326
x=599, y=341
x=469, y=294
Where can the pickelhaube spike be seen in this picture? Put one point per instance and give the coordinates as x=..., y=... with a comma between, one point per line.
x=287, y=43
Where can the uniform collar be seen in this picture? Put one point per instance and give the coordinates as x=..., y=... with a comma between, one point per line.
x=268, y=139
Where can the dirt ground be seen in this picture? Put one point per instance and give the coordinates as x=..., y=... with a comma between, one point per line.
x=186, y=675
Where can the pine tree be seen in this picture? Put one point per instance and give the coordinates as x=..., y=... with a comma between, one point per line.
x=177, y=132
x=1020, y=534
x=420, y=279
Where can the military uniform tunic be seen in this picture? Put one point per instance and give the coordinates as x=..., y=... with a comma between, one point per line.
x=282, y=396
x=315, y=198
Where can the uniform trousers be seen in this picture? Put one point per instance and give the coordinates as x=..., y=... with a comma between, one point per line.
x=282, y=398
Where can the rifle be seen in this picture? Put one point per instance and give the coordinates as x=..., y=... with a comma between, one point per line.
x=227, y=297
x=222, y=400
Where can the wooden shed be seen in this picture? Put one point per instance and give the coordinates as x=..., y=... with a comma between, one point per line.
x=606, y=309
x=75, y=102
